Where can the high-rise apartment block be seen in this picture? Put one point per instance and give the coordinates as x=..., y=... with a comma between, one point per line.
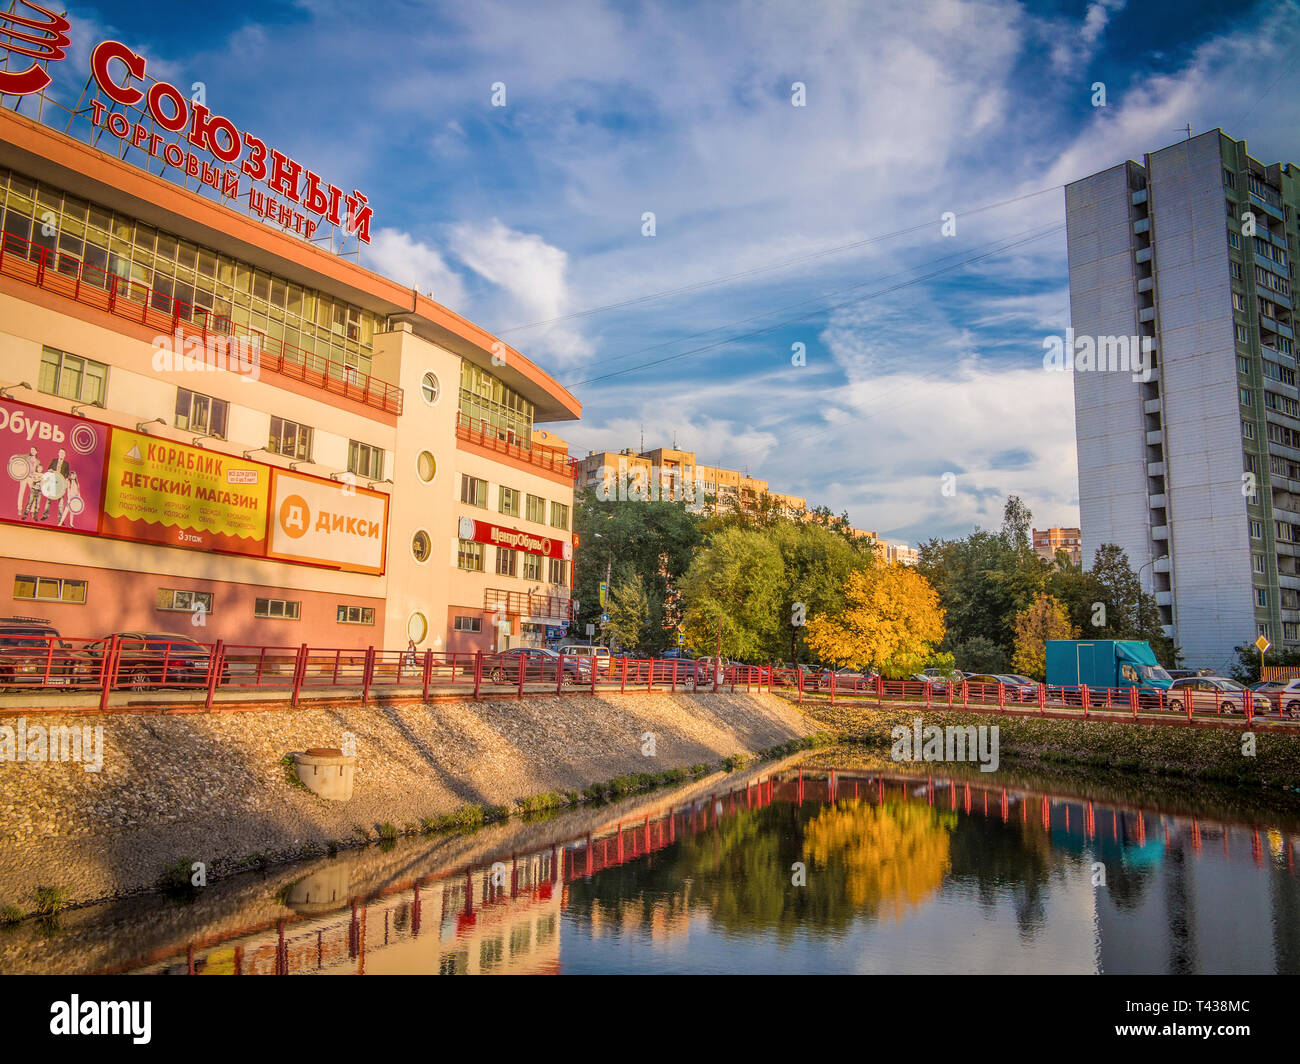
x=1189, y=457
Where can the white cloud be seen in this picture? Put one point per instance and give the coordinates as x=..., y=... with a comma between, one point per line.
x=533, y=274
x=398, y=257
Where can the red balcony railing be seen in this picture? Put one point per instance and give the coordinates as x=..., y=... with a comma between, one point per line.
x=483, y=433
x=529, y=604
x=66, y=275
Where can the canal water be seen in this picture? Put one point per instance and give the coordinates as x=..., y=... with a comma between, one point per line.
x=818, y=869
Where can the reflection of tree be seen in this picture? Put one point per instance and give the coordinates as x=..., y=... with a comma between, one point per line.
x=861, y=859
x=1005, y=858
x=889, y=858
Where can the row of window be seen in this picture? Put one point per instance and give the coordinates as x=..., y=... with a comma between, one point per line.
x=472, y=557
x=474, y=492
x=206, y=285
x=61, y=589
x=83, y=380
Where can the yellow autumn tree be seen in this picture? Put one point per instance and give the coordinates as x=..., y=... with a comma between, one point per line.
x=891, y=621
x=1043, y=619
x=891, y=858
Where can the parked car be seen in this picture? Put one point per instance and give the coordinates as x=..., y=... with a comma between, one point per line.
x=1017, y=688
x=32, y=649
x=1288, y=699
x=677, y=652
x=159, y=659
x=538, y=665
x=584, y=654
x=1205, y=694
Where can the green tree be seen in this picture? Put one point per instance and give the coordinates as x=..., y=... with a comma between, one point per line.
x=980, y=655
x=655, y=540
x=735, y=587
x=629, y=611
x=816, y=563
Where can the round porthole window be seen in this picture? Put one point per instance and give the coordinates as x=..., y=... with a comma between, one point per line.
x=426, y=467
x=430, y=389
x=421, y=546
x=417, y=627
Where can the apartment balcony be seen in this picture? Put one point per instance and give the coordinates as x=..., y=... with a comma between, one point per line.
x=484, y=434
x=1160, y=532
x=1142, y=255
x=1146, y=284
x=1267, y=208
x=132, y=301
x=1162, y=564
x=1156, y=437
x=1158, y=502
x=1139, y=197
x=1142, y=225
x=1164, y=598
x=1168, y=630
x=1155, y=469
x=530, y=606
x=1147, y=314
x=1151, y=406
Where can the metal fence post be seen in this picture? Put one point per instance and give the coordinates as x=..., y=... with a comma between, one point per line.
x=478, y=672
x=109, y=664
x=215, y=662
x=559, y=675
x=428, y=674
x=299, y=673
x=367, y=674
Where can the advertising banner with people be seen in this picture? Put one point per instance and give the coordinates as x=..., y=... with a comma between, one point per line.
x=324, y=522
x=162, y=492
x=55, y=464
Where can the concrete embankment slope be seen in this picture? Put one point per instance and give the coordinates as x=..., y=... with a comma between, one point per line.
x=211, y=787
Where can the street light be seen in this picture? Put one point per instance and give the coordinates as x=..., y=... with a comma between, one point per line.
x=10, y=387
x=144, y=425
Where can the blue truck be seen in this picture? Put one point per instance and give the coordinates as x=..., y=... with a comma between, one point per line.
x=1114, y=663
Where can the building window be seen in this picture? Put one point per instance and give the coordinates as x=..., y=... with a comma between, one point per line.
x=184, y=601
x=1239, y=302
x=1257, y=562
x=430, y=389
x=559, y=571
x=277, y=609
x=506, y=560
x=289, y=439
x=536, y=509
x=200, y=413
x=50, y=589
x=469, y=556
x=1234, y=240
x=356, y=615
x=1257, y=530
x=473, y=491
x=509, y=501
x=489, y=407
x=1261, y=597
x=365, y=460
x=467, y=624
x=426, y=466
x=1244, y=395
x=1243, y=365
x=1229, y=179
x=1243, y=337
x=1235, y=268
x=72, y=377
x=1247, y=430
x=421, y=546
x=532, y=568
x=1290, y=631
x=559, y=515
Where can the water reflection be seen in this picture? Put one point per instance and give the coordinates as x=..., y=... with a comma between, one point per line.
x=843, y=872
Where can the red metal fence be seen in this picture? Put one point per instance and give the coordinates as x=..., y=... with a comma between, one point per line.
x=233, y=672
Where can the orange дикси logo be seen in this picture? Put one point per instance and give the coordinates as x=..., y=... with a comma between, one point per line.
x=42, y=40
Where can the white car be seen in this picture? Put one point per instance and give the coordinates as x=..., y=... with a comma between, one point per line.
x=585, y=653
x=1289, y=698
x=1208, y=693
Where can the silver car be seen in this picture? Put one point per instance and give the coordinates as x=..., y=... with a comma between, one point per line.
x=1206, y=694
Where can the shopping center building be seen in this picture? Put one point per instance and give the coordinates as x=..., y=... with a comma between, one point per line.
x=216, y=427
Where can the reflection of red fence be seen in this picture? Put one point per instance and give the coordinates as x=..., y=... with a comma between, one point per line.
x=66, y=275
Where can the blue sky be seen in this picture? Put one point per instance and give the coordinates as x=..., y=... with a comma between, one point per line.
x=924, y=352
